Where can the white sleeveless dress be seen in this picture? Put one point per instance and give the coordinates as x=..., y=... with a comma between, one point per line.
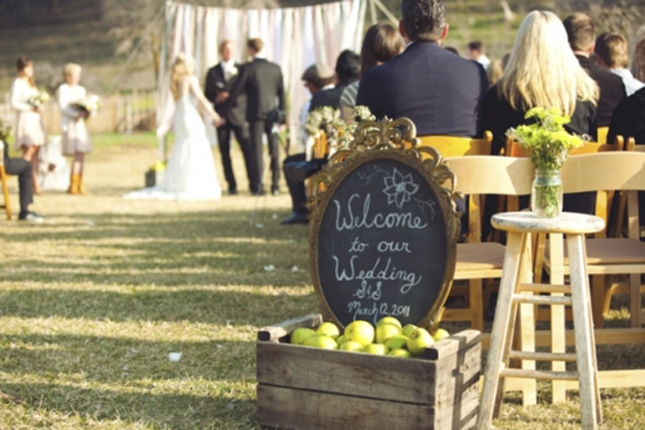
x=190, y=173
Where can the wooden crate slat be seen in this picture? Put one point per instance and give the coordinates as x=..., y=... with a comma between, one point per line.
x=350, y=373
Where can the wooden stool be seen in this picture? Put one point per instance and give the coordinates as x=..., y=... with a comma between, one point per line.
x=5, y=190
x=514, y=291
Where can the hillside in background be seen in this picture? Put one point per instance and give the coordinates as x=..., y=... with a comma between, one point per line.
x=117, y=40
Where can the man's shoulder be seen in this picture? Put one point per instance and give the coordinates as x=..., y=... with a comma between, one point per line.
x=600, y=74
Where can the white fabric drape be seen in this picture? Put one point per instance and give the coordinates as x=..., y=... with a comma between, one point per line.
x=295, y=38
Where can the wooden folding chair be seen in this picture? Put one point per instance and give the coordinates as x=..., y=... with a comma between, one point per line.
x=467, y=268
x=5, y=189
x=617, y=171
x=602, y=134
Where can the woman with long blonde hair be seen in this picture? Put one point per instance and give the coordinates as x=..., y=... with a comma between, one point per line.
x=542, y=72
x=190, y=174
x=29, y=132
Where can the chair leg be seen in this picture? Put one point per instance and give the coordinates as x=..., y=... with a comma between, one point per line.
x=475, y=304
x=598, y=299
x=635, y=299
x=5, y=192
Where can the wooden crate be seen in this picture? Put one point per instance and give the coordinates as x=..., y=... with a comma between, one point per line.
x=315, y=389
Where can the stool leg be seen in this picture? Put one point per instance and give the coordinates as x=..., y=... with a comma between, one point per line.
x=501, y=325
x=527, y=323
x=558, y=342
x=583, y=332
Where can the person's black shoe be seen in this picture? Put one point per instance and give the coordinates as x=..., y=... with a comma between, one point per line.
x=30, y=217
x=296, y=218
x=257, y=193
x=232, y=191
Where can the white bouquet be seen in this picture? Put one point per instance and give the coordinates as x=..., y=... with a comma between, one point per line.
x=91, y=103
x=39, y=99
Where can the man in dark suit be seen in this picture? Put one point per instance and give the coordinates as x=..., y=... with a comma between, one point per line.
x=219, y=81
x=263, y=85
x=439, y=91
x=22, y=169
x=582, y=38
x=348, y=70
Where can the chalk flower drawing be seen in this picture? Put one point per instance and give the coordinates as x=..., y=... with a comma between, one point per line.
x=399, y=188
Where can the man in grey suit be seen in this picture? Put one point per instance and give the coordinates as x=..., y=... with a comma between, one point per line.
x=263, y=85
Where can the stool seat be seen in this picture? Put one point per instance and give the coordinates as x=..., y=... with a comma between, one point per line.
x=567, y=222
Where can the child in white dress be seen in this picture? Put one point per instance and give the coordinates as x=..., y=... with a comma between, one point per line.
x=76, y=139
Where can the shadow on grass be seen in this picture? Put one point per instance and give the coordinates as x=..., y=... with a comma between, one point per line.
x=126, y=361
x=194, y=306
x=203, y=248
x=158, y=410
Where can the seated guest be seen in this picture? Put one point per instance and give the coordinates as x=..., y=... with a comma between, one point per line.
x=629, y=117
x=582, y=35
x=440, y=92
x=612, y=53
x=476, y=50
x=297, y=168
x=317, y=78
x=348, y=70
x=382, y=42
x=495, y=71
x=22, y=169
x=542, y=72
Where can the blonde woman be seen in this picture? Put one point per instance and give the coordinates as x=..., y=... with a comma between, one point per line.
x=190, y=174
x=76, y=139
x=542, y=72
x=30, y=131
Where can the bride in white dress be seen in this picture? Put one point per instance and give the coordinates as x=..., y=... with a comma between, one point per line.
x=190, y=173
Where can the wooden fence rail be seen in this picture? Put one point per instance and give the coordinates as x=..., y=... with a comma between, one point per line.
x=123, y=113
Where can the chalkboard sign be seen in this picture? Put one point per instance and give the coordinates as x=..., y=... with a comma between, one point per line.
x=383, y=239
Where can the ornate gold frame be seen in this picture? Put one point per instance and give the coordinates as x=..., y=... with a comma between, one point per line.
x=395, y=140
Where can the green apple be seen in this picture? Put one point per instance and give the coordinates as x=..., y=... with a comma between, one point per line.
x=301, y=334
x=341, y=340
x=328, y=329
x=396, y=342
x=440, y=334
x=419, y=340
x=361, y=332
x=385, y=331
x=400, y=352
x=376, y=349
x=409, y=329
x=321, y=341
x=351, y=346
x=389, y=320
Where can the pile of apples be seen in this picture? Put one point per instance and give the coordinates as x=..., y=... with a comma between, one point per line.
x=388, y=338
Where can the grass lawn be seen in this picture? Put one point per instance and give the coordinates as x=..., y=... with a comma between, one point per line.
x=93, y=300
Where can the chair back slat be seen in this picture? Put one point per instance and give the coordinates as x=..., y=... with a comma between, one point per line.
x=454, y=146
x=513, y=149
x=608, y=171
x=602, y=134
x=493, y=175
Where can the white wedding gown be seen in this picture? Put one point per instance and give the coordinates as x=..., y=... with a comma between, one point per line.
x=190, y=173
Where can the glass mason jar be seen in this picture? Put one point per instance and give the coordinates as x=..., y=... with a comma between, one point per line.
x=546, y=194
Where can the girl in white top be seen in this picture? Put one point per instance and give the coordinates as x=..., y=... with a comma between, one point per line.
x=30, y=131
x=76, y=139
